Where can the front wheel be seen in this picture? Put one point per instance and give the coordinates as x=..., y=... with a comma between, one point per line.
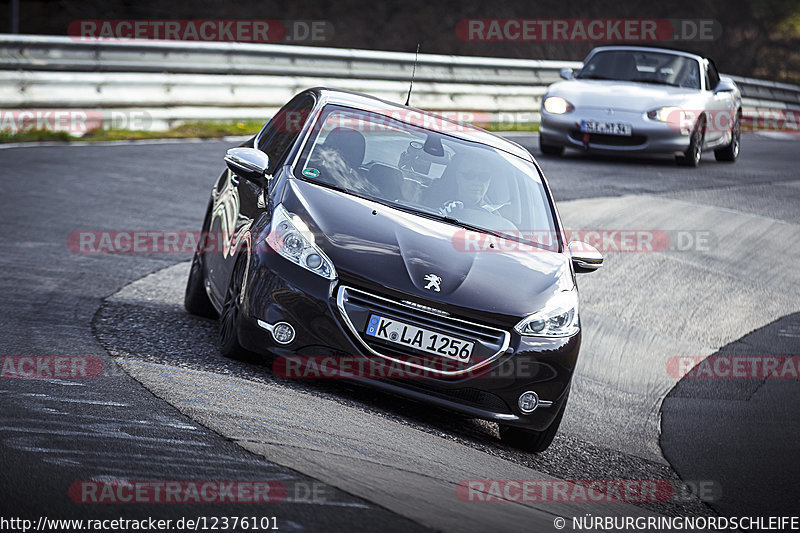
x=691, y=157
x=196, y=300
x=731, y=152
x=532, y=441
x=228, y=338
x=549, y=149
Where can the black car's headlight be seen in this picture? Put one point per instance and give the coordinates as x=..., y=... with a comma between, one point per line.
x=558, y=318
x=557, y=105
x=292, y=239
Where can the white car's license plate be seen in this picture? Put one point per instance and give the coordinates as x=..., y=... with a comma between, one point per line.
x=606, y=128
x=422, y=339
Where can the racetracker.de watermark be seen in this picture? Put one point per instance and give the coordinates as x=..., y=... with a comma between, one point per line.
x=604, y=240
x=350, y=367
x=51, y=366
x=588, y=30
x=576, y=491
x=587, y=490
x=384, y=121
x=734, y=367
x=160, y=492
x=72, y=121
x=247, y=30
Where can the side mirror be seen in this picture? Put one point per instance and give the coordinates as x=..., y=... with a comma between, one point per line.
x=249, y=163
x=725, y=86
x=585, y=257
x=566, y=73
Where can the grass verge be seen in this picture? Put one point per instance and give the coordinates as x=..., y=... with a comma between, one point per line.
x=201, y=130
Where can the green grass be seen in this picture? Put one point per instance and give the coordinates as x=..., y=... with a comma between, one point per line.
x=200, y=129
x=35, y=136
x=513, y=126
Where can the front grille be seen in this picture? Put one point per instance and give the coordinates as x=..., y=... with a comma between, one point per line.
x=356, y=305
x=467, y=395
x=609, y=140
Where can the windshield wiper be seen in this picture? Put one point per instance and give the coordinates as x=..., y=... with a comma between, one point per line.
x=654, y=81
x=597, y=77
x=472, y=227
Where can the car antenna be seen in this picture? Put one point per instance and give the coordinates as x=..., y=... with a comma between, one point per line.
x=414, y=71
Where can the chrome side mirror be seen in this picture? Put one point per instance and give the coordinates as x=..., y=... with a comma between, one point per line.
x=249, y=163
x=585, y=257
x=566, y=73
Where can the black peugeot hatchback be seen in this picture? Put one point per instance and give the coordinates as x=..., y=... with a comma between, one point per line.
x=424, y=253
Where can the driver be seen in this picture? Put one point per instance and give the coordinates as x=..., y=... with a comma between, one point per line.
x=473, y=177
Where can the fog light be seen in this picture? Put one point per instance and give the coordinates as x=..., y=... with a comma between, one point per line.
x=283, y=333
x=528, y=402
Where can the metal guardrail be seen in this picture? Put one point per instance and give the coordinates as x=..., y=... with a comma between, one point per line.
x=32, y=52
x=177, y=80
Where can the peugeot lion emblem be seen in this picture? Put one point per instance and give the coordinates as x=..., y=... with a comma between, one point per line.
x=433, y=282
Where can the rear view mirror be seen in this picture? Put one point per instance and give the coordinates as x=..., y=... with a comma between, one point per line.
x=585, y=257
x=249, y=163
x=725, y=86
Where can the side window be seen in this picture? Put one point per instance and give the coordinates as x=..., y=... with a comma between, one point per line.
x=713, y=76
x=284, y=128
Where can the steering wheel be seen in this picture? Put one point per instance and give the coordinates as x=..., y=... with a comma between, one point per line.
x=485, y=216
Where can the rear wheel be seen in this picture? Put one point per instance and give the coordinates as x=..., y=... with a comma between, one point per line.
x=691, y=157
x=532, y=441
x=549, y=149
x=228, y=338
x=731, y=152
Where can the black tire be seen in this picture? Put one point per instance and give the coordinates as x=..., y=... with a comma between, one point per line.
x=195, y=299
x=730, y=153
x=549, y=149
x=691, y=157
x=228, y=338
x=532, y=441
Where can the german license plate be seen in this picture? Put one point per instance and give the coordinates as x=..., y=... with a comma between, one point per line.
x=606, y=128
x=422, y=339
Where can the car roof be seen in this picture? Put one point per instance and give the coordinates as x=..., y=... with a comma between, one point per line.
x=465, y=131
x=645, y=48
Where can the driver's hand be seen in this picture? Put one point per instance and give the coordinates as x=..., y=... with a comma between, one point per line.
x=448, y=207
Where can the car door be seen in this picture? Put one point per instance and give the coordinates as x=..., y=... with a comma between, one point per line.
x=719, y=110
x=239, y=201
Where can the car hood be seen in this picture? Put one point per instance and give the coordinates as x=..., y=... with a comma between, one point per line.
x=621, y=95
x=396, y=250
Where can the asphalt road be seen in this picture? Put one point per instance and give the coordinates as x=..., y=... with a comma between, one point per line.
x=168, y=407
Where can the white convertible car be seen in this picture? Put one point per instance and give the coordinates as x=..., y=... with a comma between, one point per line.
x=637, y=99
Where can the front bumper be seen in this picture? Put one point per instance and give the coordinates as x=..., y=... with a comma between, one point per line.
x=648, y=136
x=279, y=291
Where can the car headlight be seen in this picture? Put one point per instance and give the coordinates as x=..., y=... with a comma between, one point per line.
x=557, y=105
x=558, y=318
x=292, y=239
x=668, y=114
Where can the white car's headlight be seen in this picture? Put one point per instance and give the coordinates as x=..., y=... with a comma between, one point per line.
x=291, y=238
x=558, y=318
x=668, y=114
x=557, y=105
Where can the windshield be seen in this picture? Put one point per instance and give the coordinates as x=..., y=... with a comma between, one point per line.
x=429, y=173
x=642, y=66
